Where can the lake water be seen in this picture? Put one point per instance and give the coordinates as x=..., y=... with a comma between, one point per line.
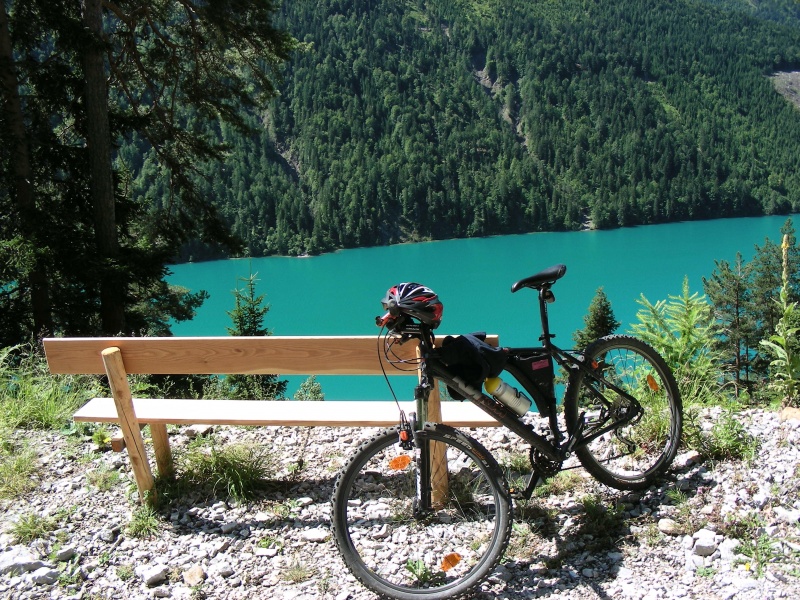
x=340, y=293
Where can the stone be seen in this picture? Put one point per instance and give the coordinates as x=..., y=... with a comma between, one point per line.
x=687, y=459
x=195, y=575
x=228, y=527
x=727, y=549
x=317, y=535
x=44, y=576
x=790, y=413
x=669, y=527
x=64, y=553
x=152, y=575
x=198, y=430
x=17, y=560
x=787, y=516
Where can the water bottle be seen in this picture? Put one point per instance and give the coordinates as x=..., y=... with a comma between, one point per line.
x=508, y=395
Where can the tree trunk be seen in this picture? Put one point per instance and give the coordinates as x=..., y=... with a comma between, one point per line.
x=98, y=142
x=22, y=189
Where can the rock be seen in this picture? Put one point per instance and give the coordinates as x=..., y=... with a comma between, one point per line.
x=152, y=575
x=198, y=430
x=109, y=535
x=64, y=553
x=194, y=576
x=787, y=516
x=228, y=527
x=790, y=413
x=44, y=576
x=17, y=560
x=317, y=535
x=705, y=547
x=687, y=459
x=669, y=526
x=727, y=549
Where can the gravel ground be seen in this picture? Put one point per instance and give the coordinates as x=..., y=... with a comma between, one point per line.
x=728, y=529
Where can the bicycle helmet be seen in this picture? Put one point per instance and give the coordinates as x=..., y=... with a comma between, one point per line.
x=412, y=300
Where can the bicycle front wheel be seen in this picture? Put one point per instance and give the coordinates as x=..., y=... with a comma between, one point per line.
x=630, y=455
x=405, y=539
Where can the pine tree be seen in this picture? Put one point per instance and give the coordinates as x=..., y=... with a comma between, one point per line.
x=729, y=290
x=248, y=320
x=310, y=389
x=599, y=321
x=250, y=311
x=80, y=252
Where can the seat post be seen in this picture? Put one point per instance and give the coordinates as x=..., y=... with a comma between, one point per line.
x=545, y=296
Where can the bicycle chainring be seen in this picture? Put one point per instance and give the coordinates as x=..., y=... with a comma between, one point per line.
x=544, y=466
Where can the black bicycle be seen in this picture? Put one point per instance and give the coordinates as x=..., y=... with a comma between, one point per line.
x=423, y=510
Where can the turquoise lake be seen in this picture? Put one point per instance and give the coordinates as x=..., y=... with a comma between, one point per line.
x=340, y=293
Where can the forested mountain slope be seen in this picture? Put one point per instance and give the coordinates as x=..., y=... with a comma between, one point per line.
x=440, y=118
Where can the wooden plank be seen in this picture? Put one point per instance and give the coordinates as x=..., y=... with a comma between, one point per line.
x=123, y=405
x=284, y=355
x=378, y=413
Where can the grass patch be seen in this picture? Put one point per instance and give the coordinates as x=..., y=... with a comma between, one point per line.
x=561, y=483
x=727, y=440
x=32, y=526
x=103, y=478
x=144, y=522
x=125, y=572
x=685, y=514
x=238, y=471
x=18, y=467
x=32, y=398
x=297, y=571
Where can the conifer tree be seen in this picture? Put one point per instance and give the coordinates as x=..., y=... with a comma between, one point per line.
x=310, y=389
x=598, y=322
x=80, y=254
x=248, y=320
x=729, y=289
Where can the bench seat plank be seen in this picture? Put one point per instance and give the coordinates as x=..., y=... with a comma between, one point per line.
x=290, y=412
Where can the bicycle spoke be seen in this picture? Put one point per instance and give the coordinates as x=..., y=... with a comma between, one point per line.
x=394, y=544
x=633, y=420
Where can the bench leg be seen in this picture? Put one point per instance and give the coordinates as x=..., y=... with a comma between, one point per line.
x=439, y=483
x=118, y=381
x=162, y=450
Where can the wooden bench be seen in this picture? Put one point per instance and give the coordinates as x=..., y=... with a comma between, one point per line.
x=119, y=357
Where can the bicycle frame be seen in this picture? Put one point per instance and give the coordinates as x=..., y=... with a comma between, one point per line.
x=540, y=386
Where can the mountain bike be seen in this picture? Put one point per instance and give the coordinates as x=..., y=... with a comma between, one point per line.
x=423, y=510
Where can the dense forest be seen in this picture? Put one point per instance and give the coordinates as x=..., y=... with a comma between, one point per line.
x=415, y=120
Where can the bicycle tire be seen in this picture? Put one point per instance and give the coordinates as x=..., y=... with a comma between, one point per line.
x=632, y=456
x=443, y=553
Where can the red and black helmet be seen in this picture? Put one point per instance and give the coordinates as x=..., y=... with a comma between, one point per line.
x=413, y=300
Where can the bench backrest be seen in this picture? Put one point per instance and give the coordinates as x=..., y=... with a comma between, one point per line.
x=284, y=355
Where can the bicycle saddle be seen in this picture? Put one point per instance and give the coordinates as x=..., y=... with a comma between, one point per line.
x=541, y=279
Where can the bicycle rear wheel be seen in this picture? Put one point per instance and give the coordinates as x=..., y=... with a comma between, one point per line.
x=404, y=540
x=633, y=454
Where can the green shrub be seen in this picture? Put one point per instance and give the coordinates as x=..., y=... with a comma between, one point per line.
x=30, y=397
x=727, y=440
